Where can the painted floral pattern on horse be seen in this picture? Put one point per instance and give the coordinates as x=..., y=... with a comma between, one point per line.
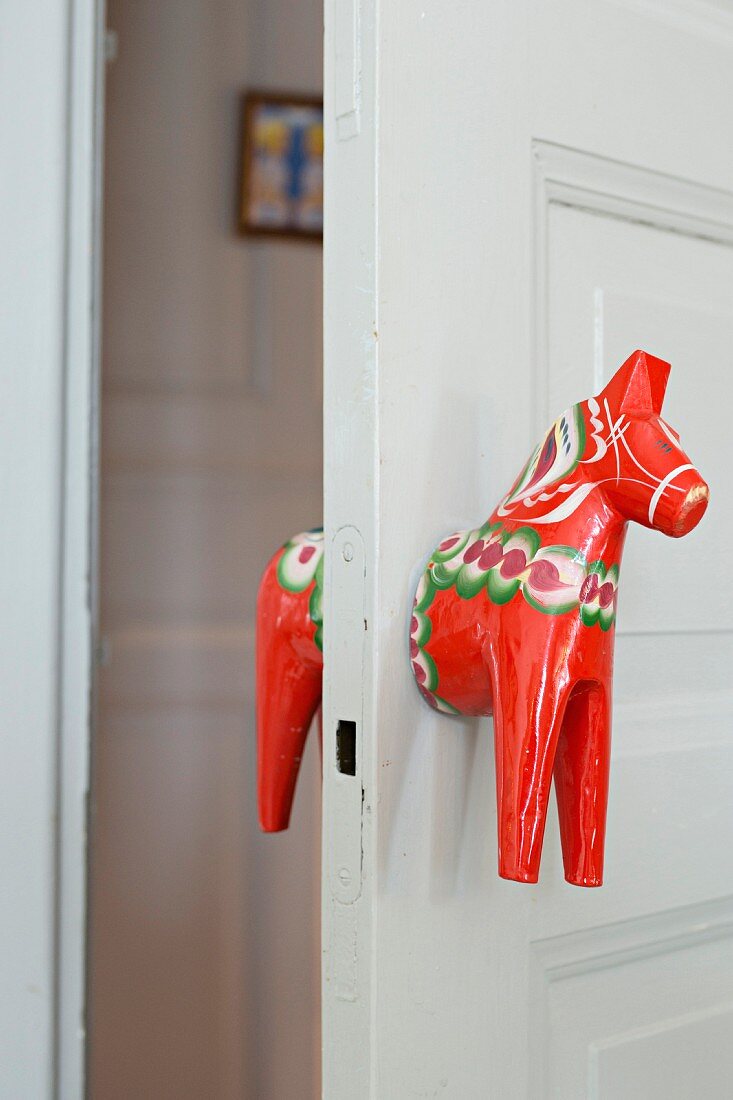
x=552, y=579
x=555, y=457
x=423, y=666
x=300, y=565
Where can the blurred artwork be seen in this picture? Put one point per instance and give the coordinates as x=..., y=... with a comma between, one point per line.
x=282, y=166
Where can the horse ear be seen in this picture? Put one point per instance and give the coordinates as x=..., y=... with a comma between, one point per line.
x=638, y=386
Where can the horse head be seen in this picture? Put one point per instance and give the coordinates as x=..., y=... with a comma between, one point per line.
x=646, y=475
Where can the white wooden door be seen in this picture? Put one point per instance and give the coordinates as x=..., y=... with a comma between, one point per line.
x=518, y=195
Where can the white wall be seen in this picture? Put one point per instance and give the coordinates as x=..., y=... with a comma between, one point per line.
x=204, y=964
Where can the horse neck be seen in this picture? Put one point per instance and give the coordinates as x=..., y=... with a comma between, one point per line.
x=596, y=528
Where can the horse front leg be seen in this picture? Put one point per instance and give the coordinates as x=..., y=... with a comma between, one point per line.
x=528, y=715
x=581, y=781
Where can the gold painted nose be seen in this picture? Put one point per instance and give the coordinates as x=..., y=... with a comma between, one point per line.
x=692, y=509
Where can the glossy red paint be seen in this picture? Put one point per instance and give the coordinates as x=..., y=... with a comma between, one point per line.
x=289, y=677
x=515, y=618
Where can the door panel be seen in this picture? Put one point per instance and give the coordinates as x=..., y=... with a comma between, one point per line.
x=534, y=190
x=609, y=278
x=600, y=1032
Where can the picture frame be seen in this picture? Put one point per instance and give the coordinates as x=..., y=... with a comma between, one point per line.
x=281, y=176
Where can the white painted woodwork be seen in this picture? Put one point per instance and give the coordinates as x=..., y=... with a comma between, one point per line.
x=204, y=933
x=533, y=191
x=47, y=333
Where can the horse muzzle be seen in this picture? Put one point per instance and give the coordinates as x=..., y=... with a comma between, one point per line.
x=680, y=503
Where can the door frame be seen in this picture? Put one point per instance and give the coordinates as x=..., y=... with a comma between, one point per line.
x=52, y=81
x=78, y=572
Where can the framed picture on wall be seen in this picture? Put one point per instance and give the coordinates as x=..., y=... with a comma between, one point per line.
x=281, y=190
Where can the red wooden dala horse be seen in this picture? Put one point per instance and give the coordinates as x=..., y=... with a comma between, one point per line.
x=513, y=618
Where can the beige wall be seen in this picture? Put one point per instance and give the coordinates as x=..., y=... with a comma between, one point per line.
x=204, y=934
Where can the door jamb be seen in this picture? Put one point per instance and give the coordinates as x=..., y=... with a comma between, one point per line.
x=77, y=536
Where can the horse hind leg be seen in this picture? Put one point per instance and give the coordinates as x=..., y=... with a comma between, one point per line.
x=527, y=720
x=581, y=782
x=283, y=721
x=288, y=695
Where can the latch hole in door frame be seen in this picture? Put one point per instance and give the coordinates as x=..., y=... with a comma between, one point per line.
x=346, y=747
